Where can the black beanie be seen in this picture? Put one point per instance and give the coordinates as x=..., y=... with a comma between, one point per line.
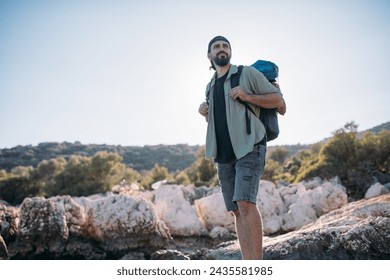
x=215, y=39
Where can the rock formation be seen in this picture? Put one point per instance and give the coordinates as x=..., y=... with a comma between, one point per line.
x=357, y=231
x=310, y=220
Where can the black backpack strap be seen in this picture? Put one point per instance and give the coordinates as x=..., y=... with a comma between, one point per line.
x=234, y=82
x=208, y=93
x=235, y=78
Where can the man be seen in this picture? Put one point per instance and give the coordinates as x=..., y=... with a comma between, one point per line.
x=240, y=156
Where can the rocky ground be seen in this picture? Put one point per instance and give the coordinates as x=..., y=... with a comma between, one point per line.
x=309, y=220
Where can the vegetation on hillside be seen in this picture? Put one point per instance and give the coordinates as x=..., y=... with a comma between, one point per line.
x=173, y=157
x=357, y=158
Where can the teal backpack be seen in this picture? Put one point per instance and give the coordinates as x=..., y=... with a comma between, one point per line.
x=269, y=117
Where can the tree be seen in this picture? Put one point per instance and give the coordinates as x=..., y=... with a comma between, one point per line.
x=22, y=182
x=271, y=169
x=374, y=151
x=48, y=170
x=279, y=154
x=352, y=157
x=202, y=171
x=85, y=176
x=75, y=179
x=21, y=171
x=106, y=170
x=157, y=173
x=182, y=178
x=51, y=168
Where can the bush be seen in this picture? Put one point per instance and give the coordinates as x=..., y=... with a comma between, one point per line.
x=79, y=176
x=352, y=157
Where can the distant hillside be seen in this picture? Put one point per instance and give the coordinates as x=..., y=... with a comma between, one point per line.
x=379, y=128
x=174, y=157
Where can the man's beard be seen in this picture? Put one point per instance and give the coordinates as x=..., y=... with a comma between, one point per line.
x=221, y=61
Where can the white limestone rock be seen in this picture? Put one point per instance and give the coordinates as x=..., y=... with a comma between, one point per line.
x=292, y=193
x=298, y=215
x=271, y=207
x=328, y=197
x=220, y=233
x=121, y=216
x=42, y=219
x=212, y=212
x=177, y=212
x=74, y=213
x=312, y=183
x=376, y=190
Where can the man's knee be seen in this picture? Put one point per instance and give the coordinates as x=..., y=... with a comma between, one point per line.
x=245, y=207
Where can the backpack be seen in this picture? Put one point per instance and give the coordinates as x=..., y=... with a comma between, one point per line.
x=268, y=117
x=269, y=69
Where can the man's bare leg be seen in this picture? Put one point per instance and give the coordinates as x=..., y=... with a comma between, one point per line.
x=249, y=229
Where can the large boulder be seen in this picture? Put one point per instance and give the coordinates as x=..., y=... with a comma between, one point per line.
x=177, y=213
x=42, y=225
x=212, y=212
x=327, y=197
x=306, y=202
x=90, y=228
x=120, y=222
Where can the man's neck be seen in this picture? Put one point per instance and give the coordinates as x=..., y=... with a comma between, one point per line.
x=222, y=70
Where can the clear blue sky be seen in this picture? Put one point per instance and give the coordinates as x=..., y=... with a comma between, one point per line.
x=134, y=72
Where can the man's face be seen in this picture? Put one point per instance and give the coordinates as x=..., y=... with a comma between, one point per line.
x=220, y=53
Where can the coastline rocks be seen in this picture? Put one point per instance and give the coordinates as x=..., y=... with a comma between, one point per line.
x=289, y=208
x=359, y=230
x=59, y=227
x=121, y=222
x=130, y=223
x=43, y=224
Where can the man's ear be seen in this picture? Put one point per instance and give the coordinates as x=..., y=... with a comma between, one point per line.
x=209, y=56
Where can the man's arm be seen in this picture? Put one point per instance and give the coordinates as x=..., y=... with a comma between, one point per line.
x=262, y=93
x=269, y=100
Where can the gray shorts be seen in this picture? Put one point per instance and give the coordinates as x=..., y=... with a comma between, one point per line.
x=240, y=179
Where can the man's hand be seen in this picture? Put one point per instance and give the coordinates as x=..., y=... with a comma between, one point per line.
x=204, y=110
x=275, y=84
x=265, y=100
x=283, y=108
x=237, y=92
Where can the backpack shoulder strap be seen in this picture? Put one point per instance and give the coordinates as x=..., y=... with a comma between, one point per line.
x=208, y=93
x=235, y=78
x=209, y=88
x=235, y=81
